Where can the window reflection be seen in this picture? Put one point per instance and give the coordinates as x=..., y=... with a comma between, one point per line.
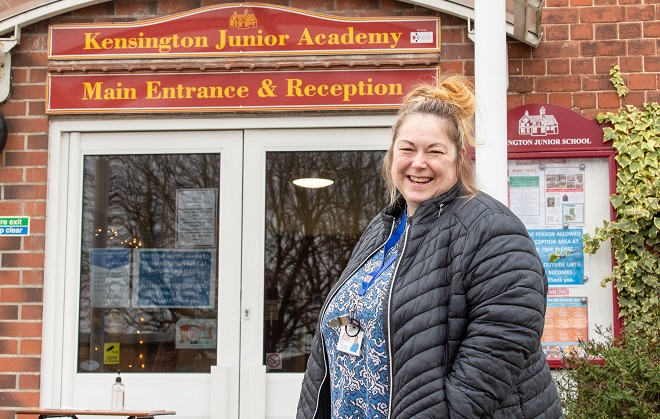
x=309, y=236
x=148, y=299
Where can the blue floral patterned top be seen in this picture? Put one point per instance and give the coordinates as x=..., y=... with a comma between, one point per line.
x=359, y=385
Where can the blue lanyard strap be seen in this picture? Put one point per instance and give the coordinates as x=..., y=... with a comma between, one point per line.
x=391, y=242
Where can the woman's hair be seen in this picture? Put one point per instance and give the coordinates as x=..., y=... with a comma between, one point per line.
x=451, y=100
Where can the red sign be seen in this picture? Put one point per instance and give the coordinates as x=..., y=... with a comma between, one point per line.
x=546, y=127
x=244, y=29
x=232, y=91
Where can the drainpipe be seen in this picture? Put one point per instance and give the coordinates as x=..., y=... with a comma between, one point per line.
x=491, y=82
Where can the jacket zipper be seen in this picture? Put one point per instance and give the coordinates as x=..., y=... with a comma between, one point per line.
x=325, y=306
x=389, y=322
x=389, y=317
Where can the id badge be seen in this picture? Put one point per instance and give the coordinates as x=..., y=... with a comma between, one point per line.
x=350, y=340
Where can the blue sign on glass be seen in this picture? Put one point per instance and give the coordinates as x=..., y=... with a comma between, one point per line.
x=174, y=278
x=568, y=270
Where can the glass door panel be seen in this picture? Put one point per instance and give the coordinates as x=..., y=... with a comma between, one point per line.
x=148, y=263
x=157, y=283
x=295, y=247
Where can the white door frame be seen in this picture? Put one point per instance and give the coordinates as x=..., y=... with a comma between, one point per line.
x=56, y=358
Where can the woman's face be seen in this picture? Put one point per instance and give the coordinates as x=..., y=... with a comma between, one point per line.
x=424, y=160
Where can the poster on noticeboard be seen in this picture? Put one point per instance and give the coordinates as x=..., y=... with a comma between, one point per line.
x=559, y=186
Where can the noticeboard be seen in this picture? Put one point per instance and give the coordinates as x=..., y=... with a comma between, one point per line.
x=560, y=176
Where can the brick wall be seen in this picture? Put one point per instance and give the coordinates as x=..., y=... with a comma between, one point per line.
x=582, y=40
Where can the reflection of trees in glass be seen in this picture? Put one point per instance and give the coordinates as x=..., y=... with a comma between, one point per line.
x=129, y=201
x=310, y=234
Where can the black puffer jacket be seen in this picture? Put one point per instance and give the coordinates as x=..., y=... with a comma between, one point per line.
x=464, y=319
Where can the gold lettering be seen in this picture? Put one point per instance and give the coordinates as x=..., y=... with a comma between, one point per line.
x=98, y=92
x=350, y=37
x=259, y=40
x=296, y=88
x=90, y=41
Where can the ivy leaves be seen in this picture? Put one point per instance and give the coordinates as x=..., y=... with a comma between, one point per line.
x=635, y=135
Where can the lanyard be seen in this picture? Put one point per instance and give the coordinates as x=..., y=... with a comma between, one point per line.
x=391, y=242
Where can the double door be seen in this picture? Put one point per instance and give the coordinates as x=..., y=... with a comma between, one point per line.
x=195, y=267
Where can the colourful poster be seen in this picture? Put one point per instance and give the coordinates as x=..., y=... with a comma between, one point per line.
x=565, y=325
x=174, y=278
x=569, y=269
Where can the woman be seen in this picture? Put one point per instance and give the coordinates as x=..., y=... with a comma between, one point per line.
x=440, y=311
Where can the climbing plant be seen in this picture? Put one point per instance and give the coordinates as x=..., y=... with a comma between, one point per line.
x=620, y=376
x=635, y=136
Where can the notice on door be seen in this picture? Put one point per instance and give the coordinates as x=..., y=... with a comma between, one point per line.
x=195, y=217
x=174, y=278
x=109, y=271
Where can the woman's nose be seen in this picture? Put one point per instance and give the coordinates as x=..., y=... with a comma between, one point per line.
x=419, y=161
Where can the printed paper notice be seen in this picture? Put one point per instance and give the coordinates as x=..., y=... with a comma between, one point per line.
x=565, y=325
x=195, y=217
x=174, y=278
x=109, y=272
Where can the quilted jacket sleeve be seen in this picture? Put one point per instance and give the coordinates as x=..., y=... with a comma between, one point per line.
x=505, y=288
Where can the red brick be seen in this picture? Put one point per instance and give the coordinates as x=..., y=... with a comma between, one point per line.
x=652, y=29
x=562, y=15
x=8, y=347
x=608, y=100
x=29, y=382
x=630, y=30
x=534, y=67
x=30, y=347
x=596, y=83
x=641, y=47
x=37, y=175
x=11, y=175
x=559, y=66
x=38, y=75
x=521, y=84
x=9, y=208
x=514, y=100
x=25, y=191
x=455, y=67
x=632, y=64
x=20, y=399
x=637, y=98
x=602, y=14
x=29, y=125
x=605, y=64
x=457, y=51
x=14, y=108
x=34, y=242
x=652, y=64
x=10, y=243
x=556, y=49
x=37, y=142
x=515, y=67
x=33, y=277
x=37, y=225
x=584, y=100
x=7, y=381
x=452, y=36
x=19, y=329
x=535, y=98
x=8, y=277
x=31, y=311
x=560, y=99
x=519, y=50
x=642, y=12
x=582, y=66
x=556, y=33
x=643, y=81
x=582, y=3
x=556, y=3
x=137, y=9
x=554, y=84
x=606, y=31
x=14, y=141
x=603, y=48
x=95, y=10
x=36, y=108
x=169, y=7
x=20, y=295
x=8, y=312
x=582, y=32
